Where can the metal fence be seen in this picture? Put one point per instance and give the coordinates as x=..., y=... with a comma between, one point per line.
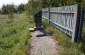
x=68, y=19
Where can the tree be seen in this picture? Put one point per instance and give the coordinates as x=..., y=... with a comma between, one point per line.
x=34, y=6
x=21, y=8
x=4, y=9
x=10, y=9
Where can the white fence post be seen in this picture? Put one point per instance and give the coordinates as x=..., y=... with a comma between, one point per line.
x=48, y=15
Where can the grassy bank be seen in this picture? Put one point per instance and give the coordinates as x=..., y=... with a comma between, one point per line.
x=14, y=34
x=66, y=47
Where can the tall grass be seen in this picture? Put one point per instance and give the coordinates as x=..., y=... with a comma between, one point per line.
x=66, y=47
x=14, y=34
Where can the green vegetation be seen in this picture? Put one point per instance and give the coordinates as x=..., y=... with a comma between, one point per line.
x=14, y=34
x=21, y=8
x=34, y=6
x=66, y=47
x=11, y=8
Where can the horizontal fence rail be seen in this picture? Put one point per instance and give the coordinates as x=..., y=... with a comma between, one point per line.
x=68, y=19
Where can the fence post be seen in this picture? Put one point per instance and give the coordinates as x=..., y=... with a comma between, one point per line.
x=77, y=24
x=48, y=15
x=81, y=23
x=74, y=25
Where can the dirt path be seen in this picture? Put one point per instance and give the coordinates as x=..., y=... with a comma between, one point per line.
x=42, y=44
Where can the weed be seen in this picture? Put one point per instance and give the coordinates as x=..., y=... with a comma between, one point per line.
x=14, y=36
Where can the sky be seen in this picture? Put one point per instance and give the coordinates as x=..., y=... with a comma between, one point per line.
x=16, y=2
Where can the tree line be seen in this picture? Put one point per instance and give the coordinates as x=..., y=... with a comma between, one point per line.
x=34, y=6
x=11, y=8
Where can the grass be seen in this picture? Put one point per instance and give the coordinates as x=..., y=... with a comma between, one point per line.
x=66, y=47
x=14, y=34
x=15, y=37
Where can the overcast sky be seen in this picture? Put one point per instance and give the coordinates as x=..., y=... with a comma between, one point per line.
x=16, y=2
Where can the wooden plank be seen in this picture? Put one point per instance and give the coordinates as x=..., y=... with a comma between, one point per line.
x=75, y=22
x=61, y=12
x=63, y=26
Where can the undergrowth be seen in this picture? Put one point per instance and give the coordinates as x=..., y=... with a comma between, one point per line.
x=14, y=34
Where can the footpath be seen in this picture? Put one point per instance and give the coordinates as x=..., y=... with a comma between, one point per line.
x=42, y=43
